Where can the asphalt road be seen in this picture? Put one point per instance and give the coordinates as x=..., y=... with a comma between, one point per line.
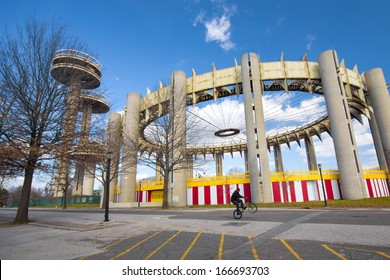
x=197, y=234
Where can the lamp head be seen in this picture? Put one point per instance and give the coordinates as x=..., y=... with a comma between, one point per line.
x=109, y=155
x=319, y=165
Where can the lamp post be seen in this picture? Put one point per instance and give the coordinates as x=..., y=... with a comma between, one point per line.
x=322, y=183
x=107, y=194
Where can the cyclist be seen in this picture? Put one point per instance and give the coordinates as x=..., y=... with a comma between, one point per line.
x=236, y=199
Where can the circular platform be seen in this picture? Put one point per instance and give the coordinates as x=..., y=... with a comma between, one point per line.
x=89, y=152
x=98, y=103
x=70, y=66
x=301, y=77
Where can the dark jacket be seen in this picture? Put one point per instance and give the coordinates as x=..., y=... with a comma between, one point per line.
x=236, y=195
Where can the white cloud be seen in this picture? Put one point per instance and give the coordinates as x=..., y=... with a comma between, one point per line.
x=218, y=28
x=310, y=39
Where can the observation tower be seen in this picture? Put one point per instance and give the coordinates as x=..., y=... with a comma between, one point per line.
x=81, y=73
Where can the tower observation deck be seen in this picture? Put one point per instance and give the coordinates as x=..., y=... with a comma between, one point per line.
x=81, y=73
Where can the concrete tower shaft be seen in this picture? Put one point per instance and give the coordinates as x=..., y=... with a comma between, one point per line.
x=130, y=148
x=177, y=113
x=378, y=98
x=341, y=127
x=255, y=129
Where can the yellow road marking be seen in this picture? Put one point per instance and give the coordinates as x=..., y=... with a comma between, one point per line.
x=165, y=243
x=363, y=250
x=298, y=257
x=256, y=257
x=220, y=250
x=333, y=251
x=383, y=254
x=139, y=243
x=191, y=245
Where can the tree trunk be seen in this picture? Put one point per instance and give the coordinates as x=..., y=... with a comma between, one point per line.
x=165, y=204
x=65, y=199
x=22, y=213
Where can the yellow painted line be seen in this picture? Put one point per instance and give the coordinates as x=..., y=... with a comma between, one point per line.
x=363, y=250
x=255, y=255
x=220, y=250
x=383, y=254
x=165, y=243
x=298, y=257
x=333, y=251
x=191, y=245
x=106, y=247
x=139, y=243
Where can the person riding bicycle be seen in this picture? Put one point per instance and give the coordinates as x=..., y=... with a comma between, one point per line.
x=236, y=199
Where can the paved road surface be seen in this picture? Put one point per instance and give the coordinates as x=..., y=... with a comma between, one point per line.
x=200, y=234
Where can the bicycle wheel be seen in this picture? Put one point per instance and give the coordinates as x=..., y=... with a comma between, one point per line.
x=252, y=208
x=237, y=214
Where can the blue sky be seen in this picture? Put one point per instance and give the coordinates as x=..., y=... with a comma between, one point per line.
x=140, y=42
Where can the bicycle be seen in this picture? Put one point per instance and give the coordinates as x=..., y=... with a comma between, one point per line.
x=251, y=207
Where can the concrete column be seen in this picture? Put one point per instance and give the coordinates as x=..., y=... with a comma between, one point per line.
x=218, y=165
x=341, y=127
x=178, y=112
x=260, y=175
x=128, y=184
x=190, y=166
x=114, y=144
x=380, y=154
x=380, y=101
x=89, y=178
x=278, y=158
x=310, y=154
x=68, y=130
x=246, y=161
x=159, y=177
x=86, y=122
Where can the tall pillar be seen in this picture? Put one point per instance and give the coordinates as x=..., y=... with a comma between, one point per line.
x=310, y=153
x=159, y=177
x=341, y=127
x=128, y=184
x=260, y=176
x=178, y=112
x=190, y=166
x=218, y=164
x=376, y=137
x=69, y=127
x=89, y=178
x=278, y=158
x=380, y=101
x=114, y=144
x=246, y=161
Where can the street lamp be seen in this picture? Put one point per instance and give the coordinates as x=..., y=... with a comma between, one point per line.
x=107, y=194
x=322, y=183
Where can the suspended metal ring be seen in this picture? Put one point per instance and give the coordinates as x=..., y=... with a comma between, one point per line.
x=227, y=132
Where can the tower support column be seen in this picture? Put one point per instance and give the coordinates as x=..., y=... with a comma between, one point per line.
x=378, y=97
x=218, y=164
x=114, y=144
x=310, y=154
x=278, y=158
x=128, y=184
x=178, y=113
x=341, y=127
x=260, y=176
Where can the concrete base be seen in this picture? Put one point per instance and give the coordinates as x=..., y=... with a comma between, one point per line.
x=135, y=204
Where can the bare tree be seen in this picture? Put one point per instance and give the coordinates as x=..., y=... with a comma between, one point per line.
x=31, y=115
x=168, y=136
